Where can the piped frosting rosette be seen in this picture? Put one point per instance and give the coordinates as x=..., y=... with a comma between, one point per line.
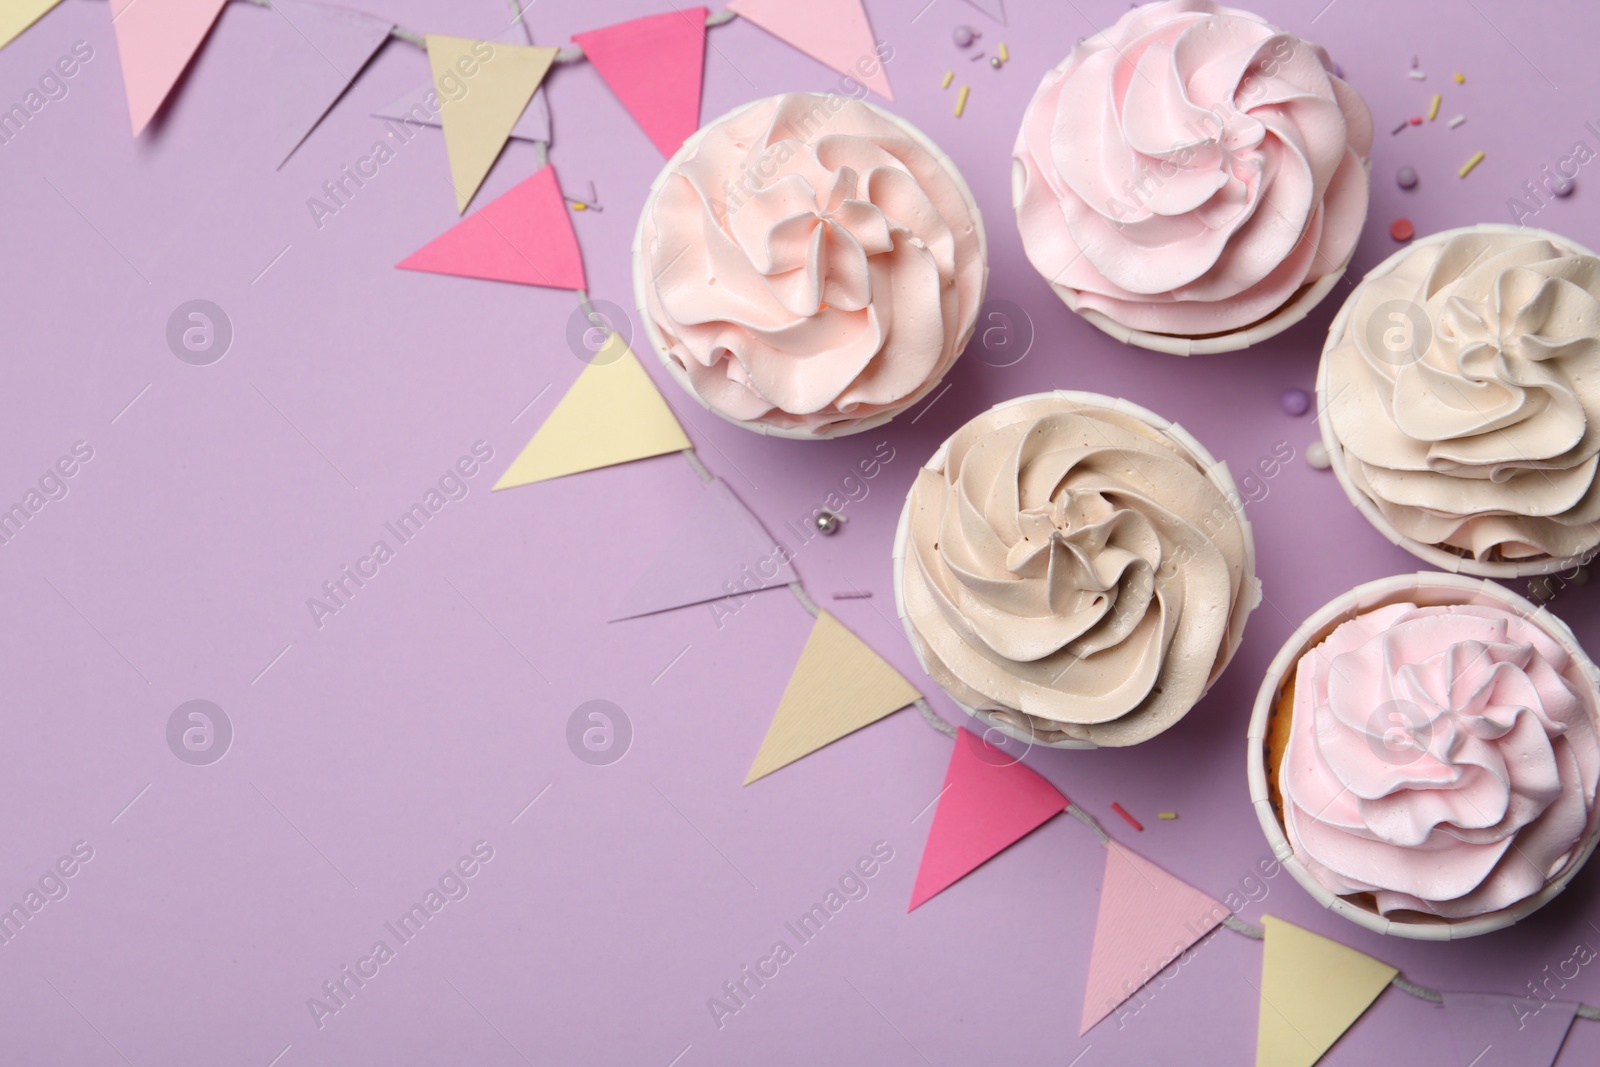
x=1192, y=179
x=809, y=265
x=1462, y=388
x=1074, y=569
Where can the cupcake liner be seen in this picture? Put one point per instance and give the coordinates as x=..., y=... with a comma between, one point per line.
x=1426, y=588
x=1443, y=558
x=658, y=343
x=1216, y=470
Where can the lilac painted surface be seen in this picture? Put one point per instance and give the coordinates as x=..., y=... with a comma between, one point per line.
x=369, y=754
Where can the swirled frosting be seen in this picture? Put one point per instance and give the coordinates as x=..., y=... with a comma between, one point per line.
x=1190, y=169
x=1442, y=759
x=813, y=264
x=1464, y=390
x=1073, y=570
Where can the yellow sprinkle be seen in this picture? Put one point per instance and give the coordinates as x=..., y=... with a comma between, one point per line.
x=1005, y=55
x=1466, y=168
x=1461, y=79
x=579, y=205
x=1167, y=815
x=961, y=101
x=1433, y=108
x=949, y=76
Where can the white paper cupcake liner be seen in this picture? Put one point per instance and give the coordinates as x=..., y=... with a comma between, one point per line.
x=1426, y=588
x=1216, y=470
x=663, y=351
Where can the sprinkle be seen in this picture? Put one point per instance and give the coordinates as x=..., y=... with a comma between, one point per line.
x=1418, y=76
x=964, y=36
x=1397, y=129
x=1295, y=402
x=1461, y=79
x=949, y=76
x=1406, y=177
x=1166, y=815
x=1317, y=456
x=1402, y=230
x=1466, y=168
x=1415, y=120
x=1433, y=108
x=1005, y=53
x=961, y=101
x=859, y=594
x=1458, y=120
x=1131, y=820
x=579, y=205
x=979, y=56
x=994, y=61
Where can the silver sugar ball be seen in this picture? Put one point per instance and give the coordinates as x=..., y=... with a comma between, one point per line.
x=827, y=522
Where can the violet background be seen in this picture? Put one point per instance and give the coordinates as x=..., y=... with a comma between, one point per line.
x=420, y=719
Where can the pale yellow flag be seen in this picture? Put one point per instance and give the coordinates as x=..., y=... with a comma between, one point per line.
x=612, y=414
x=18, y=15
x=839, y=686
x=1312, y=989
x=483, y=87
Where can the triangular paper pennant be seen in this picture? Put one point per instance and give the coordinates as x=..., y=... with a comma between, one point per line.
x=720, y=550
x=524, y=236
x=612, y=414
x=989, y=802
x=319, y=51
x=995, y=9
x=1494, y=1030
x=420, y=105
x=155, y=40
x=1312, y=989
x=483, y=89
x=839, y=686
x=654, y=65
x=1147, y=919
x=833, y=32
x=18, y=15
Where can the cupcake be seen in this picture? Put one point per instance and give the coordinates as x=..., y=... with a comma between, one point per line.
x=1424, y=754
x=1193, y=179
x=1074, y=570
x=809, y=265
x=1461, y=385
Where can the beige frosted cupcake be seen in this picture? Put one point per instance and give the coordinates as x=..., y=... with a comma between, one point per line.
x=809, y=265
x=1424, y=754
x=1460, y=387
x=1074, y=569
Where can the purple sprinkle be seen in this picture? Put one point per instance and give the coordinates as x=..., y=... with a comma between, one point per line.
x=1407, y=177
x=964, y=36
x=1295, y=402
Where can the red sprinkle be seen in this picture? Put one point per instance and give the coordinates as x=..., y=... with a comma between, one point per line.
x=1416, y=120
x=1131, y=820
x=1402, y=230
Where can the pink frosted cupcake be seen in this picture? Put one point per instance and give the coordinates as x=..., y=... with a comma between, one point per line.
x=1193, y=179
x=809, y=265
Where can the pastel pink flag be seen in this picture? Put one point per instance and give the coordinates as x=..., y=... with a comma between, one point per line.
x=833, y=32
x=1494, y=1030
x=720, y=550
x=989, y=802
x=318, y=52
x=525, y=237
x=155, y=41
x=654, y=65
x=1148, y=918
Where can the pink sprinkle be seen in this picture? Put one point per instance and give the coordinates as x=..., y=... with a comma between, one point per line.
x=1131, y=820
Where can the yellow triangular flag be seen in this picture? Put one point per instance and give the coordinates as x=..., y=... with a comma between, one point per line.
x=18, y=15
x=839, y=686
x=483, y=87
x=612, y=414
x=1312, y=989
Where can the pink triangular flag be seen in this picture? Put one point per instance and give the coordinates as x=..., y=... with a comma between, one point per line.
x=319, y=51
x=155, y=40
x=525, y=236
x=654, y=65
x=1494, y=1030
x=1147, y=919
x=720, y=550
x=989, y=802
x=833, y=32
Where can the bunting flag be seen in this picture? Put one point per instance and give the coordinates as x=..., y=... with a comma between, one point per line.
x=833, y=32
x=524, y=236
x=318, y=52
x=18, y=15
x=1494, y=1030
x=155, y=41
x=420, y=105
x=483, y=89
x=1148, y=918
x=612, y=414
x=719, y=550
x=655, y=66
x=839, y=686
x=989, y=802
x=995, y=9
x=1312, y=989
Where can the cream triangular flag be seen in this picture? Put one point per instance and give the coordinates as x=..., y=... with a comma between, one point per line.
x=483, y=87
x=18, y=15
x=839, y=686
x=612, y=414
x=1312, y=989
